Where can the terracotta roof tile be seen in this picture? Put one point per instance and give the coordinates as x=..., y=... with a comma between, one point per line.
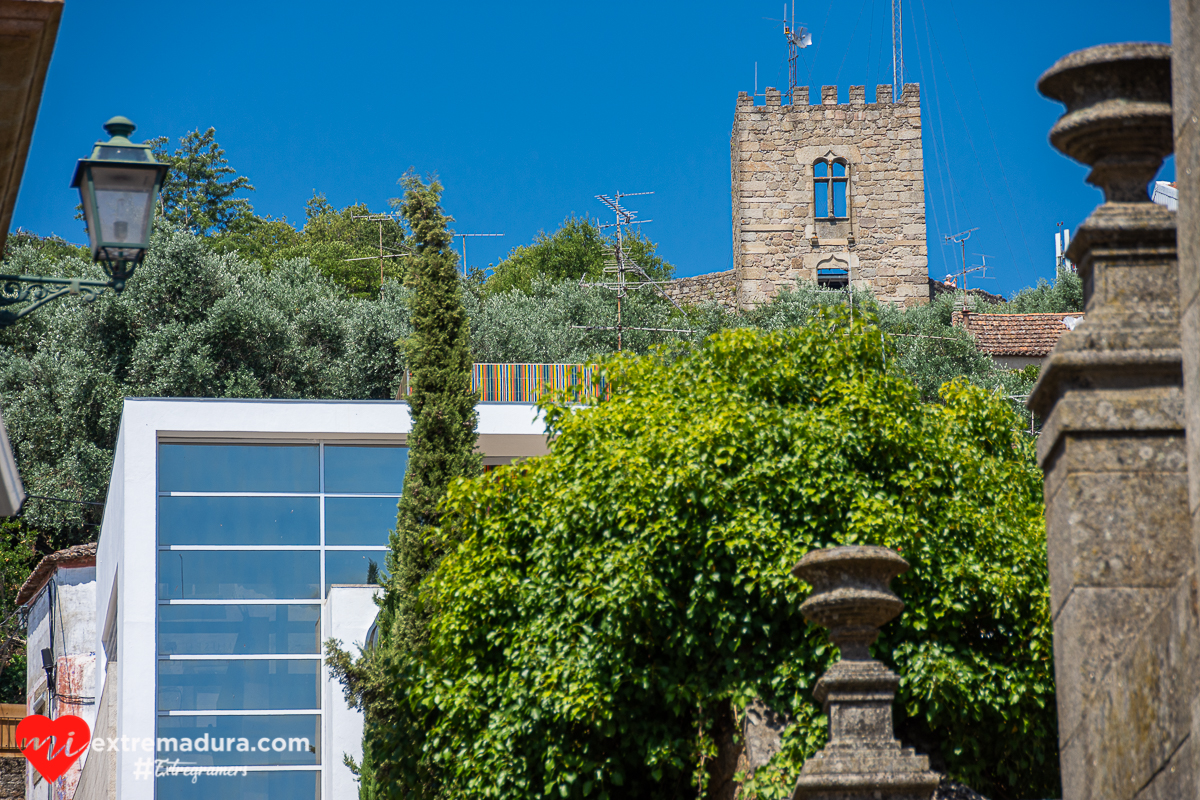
x=81, y=555
x=1018, y=334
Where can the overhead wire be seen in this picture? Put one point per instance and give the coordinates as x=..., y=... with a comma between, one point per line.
x=967, y=131
x=940, y=156
x=991, y=135
x=853, y=33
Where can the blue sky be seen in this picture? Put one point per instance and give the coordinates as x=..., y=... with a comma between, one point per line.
x=528, y=110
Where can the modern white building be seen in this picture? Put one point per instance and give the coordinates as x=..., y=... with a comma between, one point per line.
x=238, y=536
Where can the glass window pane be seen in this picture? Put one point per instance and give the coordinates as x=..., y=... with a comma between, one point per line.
x=365, y=469
x=359, y=520
x=839, y=169
x=239, y=520
x=292, y=785
x=238, y=468
x=839, y=199
x=353, y=566
x=820, y=169
x=238, y=574
x=123, y=200
x=821, y=199
x=238, y=684
x=238, y=630
x=251, y=740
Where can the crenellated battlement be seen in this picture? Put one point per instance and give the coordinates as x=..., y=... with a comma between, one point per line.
x=829, y=96
x=829, y=189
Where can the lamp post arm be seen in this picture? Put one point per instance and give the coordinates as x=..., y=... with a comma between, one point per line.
x=38, y=290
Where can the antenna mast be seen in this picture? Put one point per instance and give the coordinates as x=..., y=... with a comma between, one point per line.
x=797, y=39
x=897, y=51
x=620, y=265
x=380, y=218
x=464, y=245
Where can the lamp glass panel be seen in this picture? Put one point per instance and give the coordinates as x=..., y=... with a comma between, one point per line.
x=124, y=203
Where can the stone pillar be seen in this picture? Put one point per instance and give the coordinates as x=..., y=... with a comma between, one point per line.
x=1113, y=450
x=1185, y=97
x=852, y=598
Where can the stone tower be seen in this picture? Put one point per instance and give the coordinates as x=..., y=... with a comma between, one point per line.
x=830, y=193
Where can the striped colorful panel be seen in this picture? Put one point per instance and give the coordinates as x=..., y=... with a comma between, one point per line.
x=526, y=383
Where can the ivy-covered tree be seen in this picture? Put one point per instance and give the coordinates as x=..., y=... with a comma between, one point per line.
x=198, y=192
x=607, y=608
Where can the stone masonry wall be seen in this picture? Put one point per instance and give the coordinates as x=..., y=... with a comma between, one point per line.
x=12, y=778
x=715, y=287
x=777, y=240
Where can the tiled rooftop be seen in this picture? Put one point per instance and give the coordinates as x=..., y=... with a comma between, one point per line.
x=1016, y=334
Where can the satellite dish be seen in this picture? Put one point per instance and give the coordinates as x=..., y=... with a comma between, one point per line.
x=802, y=38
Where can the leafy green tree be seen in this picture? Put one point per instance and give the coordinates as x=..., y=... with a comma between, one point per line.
x=578, y=249
x=198, y=193
x=191, y=324
x=607, y=608
x=1063, y=297
x=343, y=248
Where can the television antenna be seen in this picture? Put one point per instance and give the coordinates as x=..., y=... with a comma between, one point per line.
x=797, y=39
x=380, y=218
x=464, y=245
x=619, y=265
x=965, y=271
x=960, y=239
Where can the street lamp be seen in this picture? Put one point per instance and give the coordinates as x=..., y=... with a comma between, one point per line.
x=118, y=186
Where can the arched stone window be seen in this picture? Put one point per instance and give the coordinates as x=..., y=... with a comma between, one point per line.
x=830, y=186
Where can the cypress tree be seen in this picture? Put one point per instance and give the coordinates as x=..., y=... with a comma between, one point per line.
x=441, y=448
x=442, y=405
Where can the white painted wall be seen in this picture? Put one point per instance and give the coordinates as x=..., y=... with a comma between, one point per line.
x=63, y=618
x=349, y=613
x=127, y=553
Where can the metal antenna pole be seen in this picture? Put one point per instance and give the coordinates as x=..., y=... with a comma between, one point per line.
x=622, y=264
x=464, y=245
x=380, y=218
x=797, y=40
x=897, y=51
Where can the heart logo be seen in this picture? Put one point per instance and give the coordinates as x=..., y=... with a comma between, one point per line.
x=53, y=745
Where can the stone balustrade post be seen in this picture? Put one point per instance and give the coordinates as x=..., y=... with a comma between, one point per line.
x=1113, y=448
x=851, y=596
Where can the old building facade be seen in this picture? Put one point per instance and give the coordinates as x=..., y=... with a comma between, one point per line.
x=831, y=193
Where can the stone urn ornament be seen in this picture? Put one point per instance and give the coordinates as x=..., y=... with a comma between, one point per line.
x=852, y=598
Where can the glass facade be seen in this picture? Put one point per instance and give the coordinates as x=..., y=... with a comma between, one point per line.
x=250, y=538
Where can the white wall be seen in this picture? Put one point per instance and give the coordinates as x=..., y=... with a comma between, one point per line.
x=349, y=613
x=127, y=553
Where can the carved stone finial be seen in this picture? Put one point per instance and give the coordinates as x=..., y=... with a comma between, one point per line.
x=1118, y=118
x=851, y=596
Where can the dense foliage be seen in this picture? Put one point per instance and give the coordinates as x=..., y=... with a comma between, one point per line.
x=1064, y=296
x=199, y=191
x=578, y=249
x=191, y=323
x=605, y=603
